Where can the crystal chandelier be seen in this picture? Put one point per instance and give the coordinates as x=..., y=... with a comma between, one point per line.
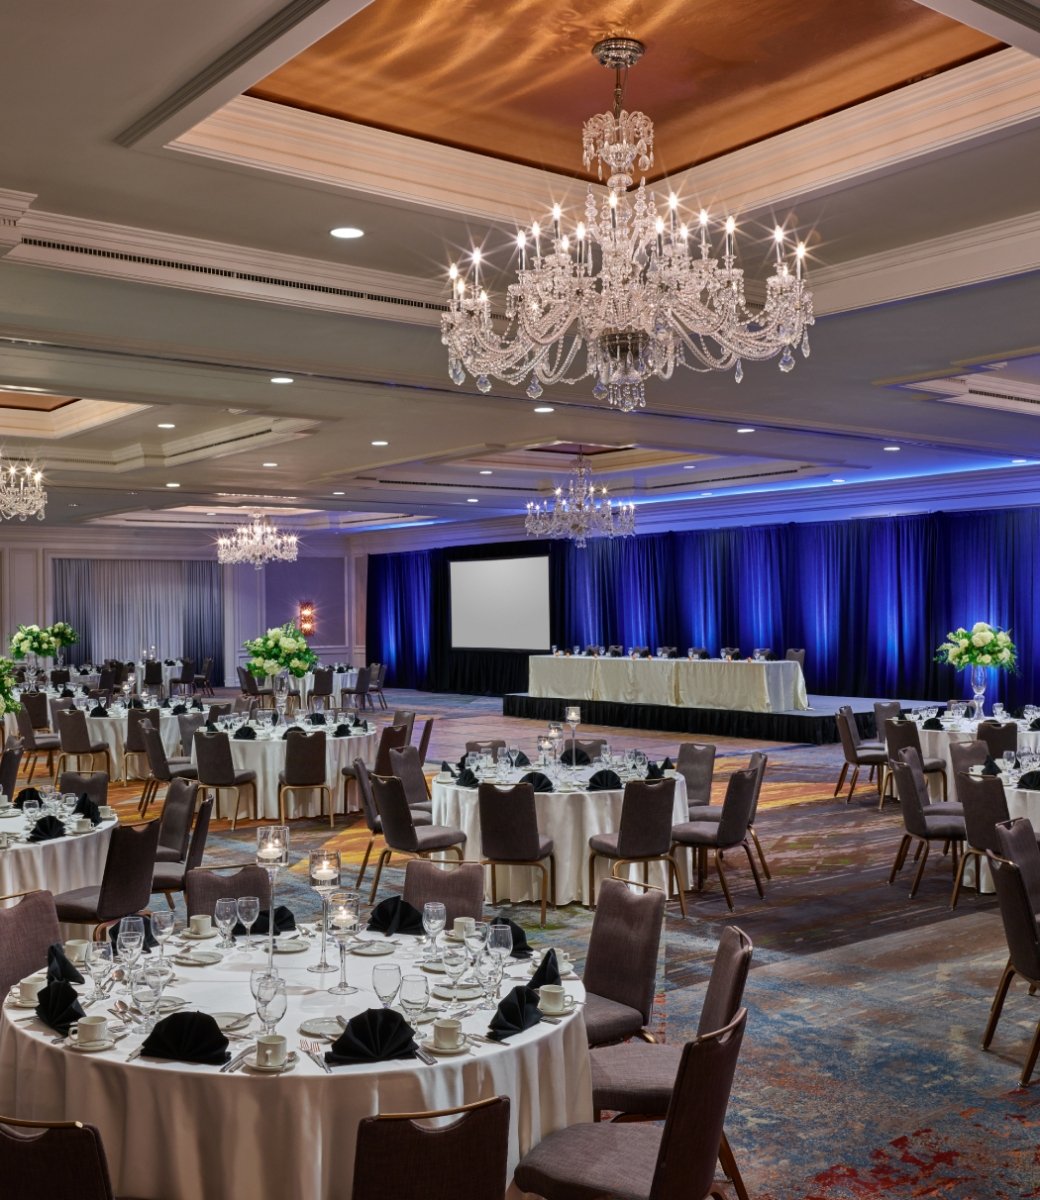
x=257, y=543
x=640, y=293
x=580, y=511
x=22, y=493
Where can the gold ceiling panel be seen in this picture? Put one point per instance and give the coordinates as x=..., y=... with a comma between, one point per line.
x=517, y=80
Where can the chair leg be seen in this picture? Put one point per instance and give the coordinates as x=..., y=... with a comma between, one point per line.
x=754, y=869
x=945, y=786
x=383, y=858
x=238, y=801
x=841, y=778
x=33, y=760
x=169, y=899
x=1034, y=1053
x=920, y=870
x=673, y=867
x=364, y=861
x=552, y=879
x=722, y=879
x=327, y=791
x=761, y=853
x=592, y=881
x=545, y=889
x=729, y=1164
x=852, y=784
x=494, y=885
x=959, y=877
x=897, y=866
x=997, y=1007
x=281, y=806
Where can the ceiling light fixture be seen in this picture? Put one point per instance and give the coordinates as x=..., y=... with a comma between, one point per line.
x=472, y=500
x=270, y=464
x=346, y=232
x=165, y=425
x=580, y=510
x=1019, y=462
x=258, y=542
x=892, y=449
x=746, y=429
x=545, y=408
x=487, y=472
x=380, y=443
x=642, y=293
x=22, y=493
x=690, y=467
x=339, y=493
x=173, y=485
x=281, y=379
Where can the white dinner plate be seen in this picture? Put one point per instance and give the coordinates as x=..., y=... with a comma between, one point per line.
x=10, y=812
x=465, y=991
x=292, y=945
x=434, y=968
x=322, y=1027
x=228, y=1021
x=431, y=1045
x=169, y=1004
x=372, y=949
x=198, y=958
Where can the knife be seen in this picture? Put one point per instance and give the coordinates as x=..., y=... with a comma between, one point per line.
x=237, y=1061
x=425, y=1056
x=318, y=1061
x=135, y=1053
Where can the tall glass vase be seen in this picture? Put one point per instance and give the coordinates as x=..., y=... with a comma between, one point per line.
x=978, y=687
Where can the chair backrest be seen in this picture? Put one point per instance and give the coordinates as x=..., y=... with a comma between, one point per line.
x=391, y=737
x=36, y=705
x=508, y=822
x=60, y=1160
x=177, y=812
x=985, y=805
x=59, y=704
x=25, y=728
x=885, y=711
x=126, y=884
x=362, y=682
x=394, y=813
x=368, y=801
x=134, y=741
x=199, y=835
x=26, y=930
x=1021, y=926
x=60, y=676
x=322, y=685
x=157, y=764
x=458, y=886
x=696, y=764
x=106, y=679
x=424, y=739
x=621, y=963
x=997, y=737
x=216, y=711
x=72, y=731
x=738, y=806
x=94, y=784
x=490, y=746
x=305, y=764
x=187, y=724
x=845, y=722
x=757, y=762
x=912, y=790
x=379, y=676
x=645, y=830
x=243, y=679
x=689, y=1149
x=153, y=674
x=405, y=764
x=207, y=670
x=1017, y=841
x=10, y=762
x=729, y=974
x=464, y=1158
x=964, y=756
x=796, y=655
x=404, y=716
x=901, y=735
x=202, y=888
x=187, y=670
x=213, y=757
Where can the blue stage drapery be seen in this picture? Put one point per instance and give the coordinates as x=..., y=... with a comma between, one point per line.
x=869, y=600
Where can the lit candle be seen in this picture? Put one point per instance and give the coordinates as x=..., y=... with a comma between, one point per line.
x=269, y=853
x=778, y=239
x=799, y=256
x=536, y=233
x=556, y=213
x=572, y=715
x=660, y=236
x=324, y=874
x=521, y=248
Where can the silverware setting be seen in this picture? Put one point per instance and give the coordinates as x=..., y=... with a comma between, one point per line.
x=234, y=1063
x=314, y=1053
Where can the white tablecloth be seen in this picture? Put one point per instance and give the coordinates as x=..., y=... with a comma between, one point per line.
x=692, y=683
x=570, y=818
x=266, y=756
x=935, y=743
x=58, y=865
x=177, y=1131
x=113, y=731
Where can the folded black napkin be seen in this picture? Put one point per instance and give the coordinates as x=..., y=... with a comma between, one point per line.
x=85, y=807
x=84, y=670
x=578, y=759
x=317, y=719
x=168, y=662
x=197, y=705
x=1030, y=781
x=447, y=768
x=179, y=710
x=522, y=760
x=375, y=1035
x=517, y=1012
x=341, y=730
x=165, y=704
x=246, y=733
x=98, y=710
x=58, y=1006
x=358, y=723
x=990, y=767
x=27, y=793
x=47, y=828
x=467, y=779
x=1034, y=726
x=540, y=782
x=667, y=765
x=85, y=689
x=67, y=693
x=59, y=967
x=932, y=723
x=653, y=771
x=187, y=1037
x=149, y=938
x=211, y=727
x=284, y=922
x=520, y=947
x=604, y=781
x=548, y=970
x=395, y=915
x=136, y=702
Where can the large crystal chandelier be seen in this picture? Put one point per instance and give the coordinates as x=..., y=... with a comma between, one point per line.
x=22, y=493
x=580, y=511
x=257, y=543
x=639, y=292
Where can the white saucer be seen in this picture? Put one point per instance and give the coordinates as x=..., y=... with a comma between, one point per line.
x=442, y=778
x=429, y=1044
x=292, y=945
x=433, y=968
x=424, y=1018
x=15, y=1001
x=231, y=1020
x=114, y=1036
x=466, y=991
x=168, y=1004
x=289, y=1065
x=189, y=936
x=372, y=949
x=198, y=958
x=10, y=812
x=563, y=974
x=80, y=832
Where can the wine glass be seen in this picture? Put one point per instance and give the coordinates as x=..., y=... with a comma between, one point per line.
x=455, y=961
x=1009, y=757
x=248, y=909
x=146, y=989
x=489, y=976
x=225, y=913
x=434, y=916
x=500, y=942
x=476, y=940
x=414, y=996
x=99, y=964
x=386, y=979
x=271, y=1001
x=163, y=921
x=69, y=801
x=31, y=810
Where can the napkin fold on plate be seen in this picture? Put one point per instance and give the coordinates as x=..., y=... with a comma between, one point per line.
x=540, y=782
x=517, y=1012
x=67, y=693
x=46, y=828
x=136, y=702
x=522, y=760
x=245, y=734
x=317, y=719
x=667, y=765
x=58, y=1006
x=604, y=781
x=447, y=768
x=357, y=722
x=579, y=758
x=59, y=966
x=27, y=793
x=341, y=730
x=548, y=970
x=196, y=705
x=1030, y=781
x=284, y=922
x=466, y=779
x=85, y=807
x=520, y=947
x=396, y=915
x=192, y=1037
x=375, y=1035
x=149, y=938
x=98, y=710
x=653, y=771
x=990, y=766
x=179, y=710
x=932, y=723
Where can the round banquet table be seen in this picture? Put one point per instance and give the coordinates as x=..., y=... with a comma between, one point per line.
x=935, y=743
x=184, y=1131
x=1021, y=802
x=59, y=865
x=112, y=730
x=266, y=756
x=570, y=818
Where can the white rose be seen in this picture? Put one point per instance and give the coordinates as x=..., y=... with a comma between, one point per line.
x=985, y=659
x=981, y=639
x=963, y=644
x=980, y=626
x=1003, y=639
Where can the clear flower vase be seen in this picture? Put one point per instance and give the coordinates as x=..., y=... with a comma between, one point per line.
x=978, y=687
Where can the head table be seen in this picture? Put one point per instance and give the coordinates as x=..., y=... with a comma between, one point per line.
x=58, y=865
x=180, y=1131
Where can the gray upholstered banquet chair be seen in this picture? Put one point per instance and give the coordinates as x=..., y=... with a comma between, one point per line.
x=654, y=1162
x=729, y=832
x=796, y=655
x=305, y=770
x=35, y=704
x=169, y=877
x=216, y=711
x=964, y=756
x=620, y=974
x=857, y=756
x=175, y=820
x=458, y=886
x=391, y=737
x=644, y=834
x=489, y=746
x=919, y=824
x=583, y=751
x=133, y=739
x=10, y=762
x=216, y=771
x=76, y=742
x=263, y=696
x=509, y=836
x=406, y=717
x=184, y=683
x=62, y=1160
x=160, y=768
x=985, y=806
x=406, y=765
x=126, y=882
x=202, y=680
x=26, y=930
x=401, y=833
x=153, y=677
x=465, y=1158
x=884, y=711
x=93, y=785
x=58, y=704
x=696, y=764
x=904, y=735
x=358, y=695
x=204, y=886
x=188, y=724
x=377, y=682
x=369, y=812
x=321, y=688
x=35, y=743
x=424, y=740
x=1014, y=871
x=997, y=737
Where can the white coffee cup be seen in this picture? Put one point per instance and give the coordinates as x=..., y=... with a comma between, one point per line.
x=200, y=924
x=447, y=1034
x=83, y=825
x=271, y=1050
x=553, y=998
x=89, y=1031
x=107, y=812
x=462, y=926
x=31, y=986
x=76, y=949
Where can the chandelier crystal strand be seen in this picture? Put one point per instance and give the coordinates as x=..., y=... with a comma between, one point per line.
x=580, y=511
x=22, y=493
x=640, y=292
x=257, y=543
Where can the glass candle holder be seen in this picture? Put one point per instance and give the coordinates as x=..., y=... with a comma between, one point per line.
x=272, y=853
x=325, y=867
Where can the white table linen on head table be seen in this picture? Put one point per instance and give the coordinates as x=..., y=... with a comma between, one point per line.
x=182, y=1131
x=636, y=680
x=570, y=818
x=59, y=865
x=563, y=678
x=777, y=686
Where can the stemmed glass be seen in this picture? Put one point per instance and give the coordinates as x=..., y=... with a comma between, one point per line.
x=163, y=921
x=99, y=964
x=146, y=989
x=476, y=940
x=272, y=852
x=489, y=976
x=68, y=803
x=414, y=996
x=434, y=916
x=325, y=869
x=31, y=811
x=271, y=1001
x=343, y=914
x=248, y=909
x=1009, y=757
x=500, y=947
x=225, y=913
x=455, y=961
x=386, y=979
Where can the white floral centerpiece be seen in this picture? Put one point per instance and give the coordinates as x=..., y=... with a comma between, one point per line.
x=63, y=633
x=980, y=647
x=283, y=648
x=31, y=639
x=8, y=703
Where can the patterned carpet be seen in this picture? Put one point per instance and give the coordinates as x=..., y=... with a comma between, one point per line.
x=861, y=1073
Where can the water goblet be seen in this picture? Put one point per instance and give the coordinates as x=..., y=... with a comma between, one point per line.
x=386, y=979
x=163, y=921
x=99, y=964
x=489, y=976
x=998, y=711
x=146, y=989
x=225, y=914
x=69, y=801
x=257, y=977
x=1008, y=758
x=271, y=1002
x=248, y=909
x=414, y=996
x=476, y=940
x=455, y=961
x=434, y=917
x=31, y=810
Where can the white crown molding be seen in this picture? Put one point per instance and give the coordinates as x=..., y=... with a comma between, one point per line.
x=13, y=207
x=65, y=422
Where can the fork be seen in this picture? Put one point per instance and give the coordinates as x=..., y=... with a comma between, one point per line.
x=313, y=1052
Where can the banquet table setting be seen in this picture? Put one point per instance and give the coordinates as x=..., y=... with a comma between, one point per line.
x=935, y=743
x=73, y=859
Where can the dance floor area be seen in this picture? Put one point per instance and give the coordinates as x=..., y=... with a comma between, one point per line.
x=861, y=1073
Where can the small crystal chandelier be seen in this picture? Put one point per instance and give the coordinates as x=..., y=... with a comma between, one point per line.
x=257, y=543
x=22, y=493
x=639, y=292
x=580, y=511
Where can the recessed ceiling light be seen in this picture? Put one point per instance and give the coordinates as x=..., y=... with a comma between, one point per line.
x=472, y=500
x=690, y=467
x=346, y=232
x=544, y=408
x=339, y=493
x=487, y=472
x=73, y=504
x=281, y=379
x=173, y=485
x=707, y=493
x=165, y=425
x=1018, y=462
x=892, y=449
x=746, y=429
x=837, y=481
x=212, y=514
x=380, y=442
x=270, y=464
